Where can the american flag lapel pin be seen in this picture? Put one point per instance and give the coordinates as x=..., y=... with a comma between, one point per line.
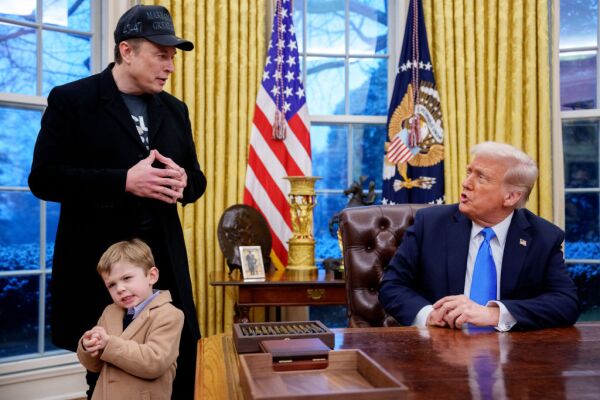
x=523, y=242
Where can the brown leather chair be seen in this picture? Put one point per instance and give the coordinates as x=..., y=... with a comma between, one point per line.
x=370, y=236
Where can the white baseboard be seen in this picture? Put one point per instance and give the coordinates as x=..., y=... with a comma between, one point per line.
x=48, y=378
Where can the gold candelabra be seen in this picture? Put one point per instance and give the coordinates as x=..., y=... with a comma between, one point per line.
x=302, y=199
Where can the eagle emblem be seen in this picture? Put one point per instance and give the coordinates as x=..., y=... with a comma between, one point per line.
x=415, y=136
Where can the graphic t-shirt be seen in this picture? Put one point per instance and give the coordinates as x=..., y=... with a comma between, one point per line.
x=138, y=108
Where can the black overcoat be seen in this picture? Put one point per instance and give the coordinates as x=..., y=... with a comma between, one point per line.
x=86, y=144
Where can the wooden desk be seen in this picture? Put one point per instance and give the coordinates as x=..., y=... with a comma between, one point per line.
x=438, y=363
x=283, y=288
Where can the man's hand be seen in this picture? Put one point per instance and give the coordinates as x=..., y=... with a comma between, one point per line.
x=166, y=185
x=458, y=310
x=170, y=164
x=436, y=318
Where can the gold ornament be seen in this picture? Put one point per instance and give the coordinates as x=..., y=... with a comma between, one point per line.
x=302, y=199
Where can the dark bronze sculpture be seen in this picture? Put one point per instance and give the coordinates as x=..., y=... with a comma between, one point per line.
x=357, y=199
x=242, y=225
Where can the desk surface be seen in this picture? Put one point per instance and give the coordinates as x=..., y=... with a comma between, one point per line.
x=438, y=363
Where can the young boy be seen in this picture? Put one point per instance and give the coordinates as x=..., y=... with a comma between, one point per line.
x=135, y=344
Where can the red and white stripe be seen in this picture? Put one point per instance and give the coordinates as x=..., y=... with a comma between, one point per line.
x=269, y=161
x=398, y=151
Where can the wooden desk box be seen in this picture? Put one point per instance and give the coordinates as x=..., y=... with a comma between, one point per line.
x=247, y=337
x=349, y=375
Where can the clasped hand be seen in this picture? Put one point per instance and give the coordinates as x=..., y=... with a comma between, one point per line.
x=95, y=340
x=164, y=184
x=454, y=311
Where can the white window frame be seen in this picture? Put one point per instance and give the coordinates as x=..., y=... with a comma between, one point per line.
x=396, y=20
x=55, y=374
x=397, y=11
x=559, y=116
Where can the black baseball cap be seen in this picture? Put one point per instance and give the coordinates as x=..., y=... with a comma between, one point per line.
x=153, y=23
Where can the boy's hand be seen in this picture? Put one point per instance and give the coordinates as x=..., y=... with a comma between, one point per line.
x=95, y=340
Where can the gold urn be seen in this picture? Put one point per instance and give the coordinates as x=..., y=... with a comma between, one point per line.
x=302, y=199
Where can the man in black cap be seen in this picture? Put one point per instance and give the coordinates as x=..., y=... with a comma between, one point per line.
x=118, y=153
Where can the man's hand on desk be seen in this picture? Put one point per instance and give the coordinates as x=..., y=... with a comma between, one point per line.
x=436, y=318
x=454, y=311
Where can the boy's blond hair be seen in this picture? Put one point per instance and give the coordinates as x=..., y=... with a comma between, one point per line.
x=134, y=251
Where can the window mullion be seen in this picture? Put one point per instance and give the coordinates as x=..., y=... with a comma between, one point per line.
x=42, y=287
x=349, y=147
x=39, y=52
x=347, y=56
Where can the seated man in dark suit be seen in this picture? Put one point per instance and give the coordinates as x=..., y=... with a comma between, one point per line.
x=449, y=270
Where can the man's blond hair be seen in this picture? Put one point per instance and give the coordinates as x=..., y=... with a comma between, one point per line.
x=134, y=251
x=521, y=171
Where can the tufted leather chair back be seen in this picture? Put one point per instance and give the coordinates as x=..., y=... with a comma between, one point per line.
x=370, y=236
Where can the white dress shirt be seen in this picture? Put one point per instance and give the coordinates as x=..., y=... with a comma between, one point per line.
x=506, y=320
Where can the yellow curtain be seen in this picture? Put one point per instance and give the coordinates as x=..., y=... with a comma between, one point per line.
x=492, y=67
x=218, y=81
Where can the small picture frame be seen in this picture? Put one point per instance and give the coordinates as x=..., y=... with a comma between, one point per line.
x=252, y=263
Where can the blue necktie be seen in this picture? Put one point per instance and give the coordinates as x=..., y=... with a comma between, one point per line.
x=483, y=285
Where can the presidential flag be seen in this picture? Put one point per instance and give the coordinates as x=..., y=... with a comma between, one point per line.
x=280, y=138
x=413, y=170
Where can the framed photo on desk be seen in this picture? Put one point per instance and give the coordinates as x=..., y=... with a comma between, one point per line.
x=252, y=263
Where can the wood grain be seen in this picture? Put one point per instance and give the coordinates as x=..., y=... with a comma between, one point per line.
x=438, y=363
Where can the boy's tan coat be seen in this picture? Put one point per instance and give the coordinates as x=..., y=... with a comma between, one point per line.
x=140, y=362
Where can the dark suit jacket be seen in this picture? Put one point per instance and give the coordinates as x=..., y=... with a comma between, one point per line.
x=86, y=144
x=431, y=263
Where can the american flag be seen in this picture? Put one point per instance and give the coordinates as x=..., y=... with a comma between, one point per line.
x=280, y=138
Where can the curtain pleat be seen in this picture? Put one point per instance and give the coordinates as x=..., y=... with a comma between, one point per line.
x=218, y=81
x=492, y=67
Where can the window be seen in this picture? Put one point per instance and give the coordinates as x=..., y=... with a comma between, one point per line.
x=345, y=50
x=347, y=55
x=43, y=43
x=580, y=117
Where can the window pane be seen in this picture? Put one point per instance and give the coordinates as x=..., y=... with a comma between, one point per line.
x=72, y=14
x=325, y=26
x=368, y=86
x=17, y=138
x=19, y=231
x=17, y=59
x=22, y=10
x=18, y=313
x=328, y=205
x=48, y=346
x=578, y=23
x=298, y=23
x=66, y=58
x=581, y=153
x=581, y=217
x=587, y=280
x=368, y=26
x=578, y=80
x=367, y=153
x=325, y=85
x=330, y=156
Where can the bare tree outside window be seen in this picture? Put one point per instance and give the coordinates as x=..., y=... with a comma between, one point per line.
x=39, y=49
